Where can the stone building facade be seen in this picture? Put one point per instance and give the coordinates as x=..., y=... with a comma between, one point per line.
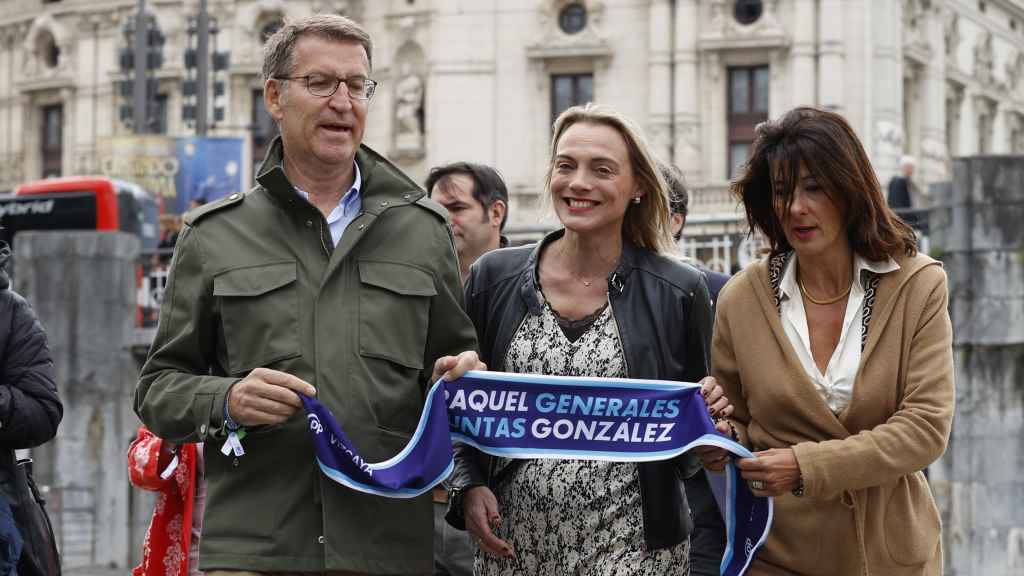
x=482, y=79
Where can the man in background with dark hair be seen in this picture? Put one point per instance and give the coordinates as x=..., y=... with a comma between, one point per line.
x=680, y=208
x=707, y=541
x=477, y=200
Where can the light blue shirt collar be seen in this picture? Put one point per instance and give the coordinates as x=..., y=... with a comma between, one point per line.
x=348, y=208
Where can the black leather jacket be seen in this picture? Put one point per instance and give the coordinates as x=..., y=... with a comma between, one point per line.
x=652, y=297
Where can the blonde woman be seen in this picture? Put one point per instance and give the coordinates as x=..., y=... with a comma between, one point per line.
x=601, y=297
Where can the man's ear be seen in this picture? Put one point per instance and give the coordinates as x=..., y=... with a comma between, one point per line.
x=272, y=98
x=497, y=212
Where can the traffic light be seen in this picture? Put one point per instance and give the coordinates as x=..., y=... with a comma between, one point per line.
x=214, y=89
x=153, y=55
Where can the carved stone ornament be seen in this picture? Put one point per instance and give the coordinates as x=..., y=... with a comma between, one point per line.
x=983, y=60
x=408, y=97
x=409, y=116
x=951, y=33
x=934, y=150
x=915, y=28
x=1014, y=71
x=720, y=29
x=888, y=139
x=552, y=42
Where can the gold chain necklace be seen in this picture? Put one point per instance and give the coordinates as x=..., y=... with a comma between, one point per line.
x=825, y=302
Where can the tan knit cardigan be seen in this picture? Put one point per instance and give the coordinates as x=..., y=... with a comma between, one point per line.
x=867, y=508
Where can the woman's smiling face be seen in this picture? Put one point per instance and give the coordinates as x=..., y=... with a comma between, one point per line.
x=592, y=179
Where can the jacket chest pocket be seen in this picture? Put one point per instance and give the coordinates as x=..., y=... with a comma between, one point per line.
x=394, y=312
x=259, y=314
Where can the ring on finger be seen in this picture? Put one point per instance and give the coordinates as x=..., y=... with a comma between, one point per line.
x=757, y=484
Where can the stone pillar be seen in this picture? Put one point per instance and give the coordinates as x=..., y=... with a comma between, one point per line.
x=82, y=286
x=885, y=122
x=659, y=94
x=933, y=154
x=831, y=65
x=979, y=482
x=688, y=146
x=804, y=69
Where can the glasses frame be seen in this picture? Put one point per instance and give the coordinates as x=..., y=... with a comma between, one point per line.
x=370, y=82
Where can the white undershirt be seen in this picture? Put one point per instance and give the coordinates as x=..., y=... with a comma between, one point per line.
x=836, y=384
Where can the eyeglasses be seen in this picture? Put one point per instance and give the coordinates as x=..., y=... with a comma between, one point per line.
x=323, y=86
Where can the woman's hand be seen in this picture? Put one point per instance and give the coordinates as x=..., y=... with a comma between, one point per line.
x=712, y=458
x=771, y=472
x=715, y=459
x=714, y=397
x=480, y=509
x=453, y=367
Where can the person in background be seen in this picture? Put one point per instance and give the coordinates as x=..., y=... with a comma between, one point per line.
x=601, y=297
x=708, y=539
x=196, y=202
x=30, y=409
x=477, y=200
x=901, y=186
x=171, y=547
x=836, y=350
x=336, y=271
x=680, y=209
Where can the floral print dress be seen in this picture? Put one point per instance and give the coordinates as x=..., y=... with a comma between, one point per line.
x=574, y=516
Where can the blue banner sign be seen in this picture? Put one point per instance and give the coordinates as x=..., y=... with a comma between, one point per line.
x=534, y=416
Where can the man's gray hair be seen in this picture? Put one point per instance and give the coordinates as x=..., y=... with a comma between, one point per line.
x=277, y=52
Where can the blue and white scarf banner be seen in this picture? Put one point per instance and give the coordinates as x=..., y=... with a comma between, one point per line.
x=533, y=416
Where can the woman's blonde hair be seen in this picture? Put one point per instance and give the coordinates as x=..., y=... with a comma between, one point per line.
x=646, y=224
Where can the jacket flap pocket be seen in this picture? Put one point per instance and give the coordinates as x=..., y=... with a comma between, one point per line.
x=254, y=280
x=397, y=278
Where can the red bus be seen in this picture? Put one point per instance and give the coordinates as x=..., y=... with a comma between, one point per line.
x=82, y=203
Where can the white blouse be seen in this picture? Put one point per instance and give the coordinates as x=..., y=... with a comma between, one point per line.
x=836, y=384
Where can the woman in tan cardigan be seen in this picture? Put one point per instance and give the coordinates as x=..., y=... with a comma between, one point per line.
x=836, y=352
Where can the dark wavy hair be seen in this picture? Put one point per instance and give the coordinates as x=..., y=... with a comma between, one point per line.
x=827, y=146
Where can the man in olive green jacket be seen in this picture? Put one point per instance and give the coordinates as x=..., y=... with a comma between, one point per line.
x=333, y=277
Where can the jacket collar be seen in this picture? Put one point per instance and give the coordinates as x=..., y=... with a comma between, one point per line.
x=392, y=190
x=529, y=289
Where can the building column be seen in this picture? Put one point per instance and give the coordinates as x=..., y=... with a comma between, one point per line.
x=659, y=94
x=804, y=71
x=884, y=91
x=932, y=163
x=688, y=91
x=831, y=65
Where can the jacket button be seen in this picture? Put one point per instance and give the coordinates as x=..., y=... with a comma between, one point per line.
x=233, y=197
x=235, y=462
x=384, y=204
x=309, y=223
x=407, y=196
x=361, y=226
x=321, y=539
x=202, y=429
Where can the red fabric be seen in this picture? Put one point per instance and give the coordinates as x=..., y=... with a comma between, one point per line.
x=166, y=548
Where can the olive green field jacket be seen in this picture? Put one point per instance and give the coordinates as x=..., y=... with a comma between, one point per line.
x=256, y=282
